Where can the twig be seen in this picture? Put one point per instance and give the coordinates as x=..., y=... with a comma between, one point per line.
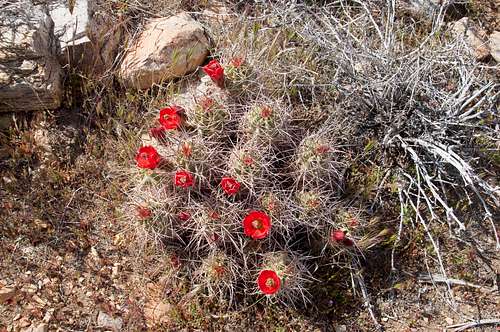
x=400, y=228
x=470, y=325
x=432, y=278
x=366, y=297
x=431, y=238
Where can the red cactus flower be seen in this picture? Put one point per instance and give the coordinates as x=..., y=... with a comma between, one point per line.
x=187, y=149
x=184, y=215
x=158, y=133
x=237, y=62
x=147, y=157
x=322, y=149
x=248, y=160
x=214, y=215
x=170, y=117
x=207, y=103
x=183, y=179
x=216, y=72
x=143, y=212
x=266, y=112
x=230, y=185
x=214, y=238
x=175, y=261
x=257, y=225
x=269, y=282
x=337, y=235
x=219, y=270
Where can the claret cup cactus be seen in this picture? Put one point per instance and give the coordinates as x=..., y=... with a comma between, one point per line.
x=244, y=193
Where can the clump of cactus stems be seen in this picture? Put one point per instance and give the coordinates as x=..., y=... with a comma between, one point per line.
x=209, y=115
x=263, y=122
x=218, y=274
x=283, y=275
x=239, y=75
x=317, y=162
x=241, y=195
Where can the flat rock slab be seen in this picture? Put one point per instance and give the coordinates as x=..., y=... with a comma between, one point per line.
x=30, y=74
x=167, y=48
x=70, y=25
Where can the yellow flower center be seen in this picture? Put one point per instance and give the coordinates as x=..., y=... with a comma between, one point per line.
x=257, y=224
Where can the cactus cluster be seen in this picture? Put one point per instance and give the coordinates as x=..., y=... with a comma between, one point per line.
x=246, y=195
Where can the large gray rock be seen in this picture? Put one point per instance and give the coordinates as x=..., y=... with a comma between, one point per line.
x=167, y=48
x=72, y=27
x=70, y=24
x=30, y=74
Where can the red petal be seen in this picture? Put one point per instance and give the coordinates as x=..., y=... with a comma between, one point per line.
x=268, y=282
x=251, y=231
